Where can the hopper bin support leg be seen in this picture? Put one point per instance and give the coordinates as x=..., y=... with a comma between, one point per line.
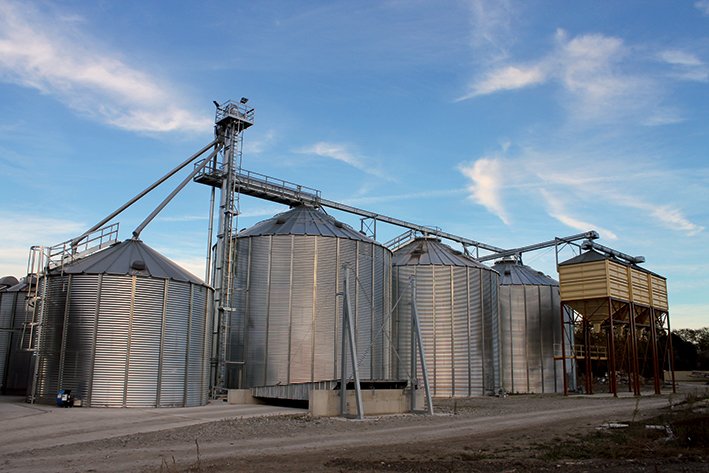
x=587, y=356
x=655, y=356
x=613, y=381
x=671, y=357
x=635, y=366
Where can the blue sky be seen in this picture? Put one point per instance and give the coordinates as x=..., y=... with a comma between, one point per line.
x=506, y=122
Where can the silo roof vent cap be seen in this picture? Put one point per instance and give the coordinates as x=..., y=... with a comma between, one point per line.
x=138, y=265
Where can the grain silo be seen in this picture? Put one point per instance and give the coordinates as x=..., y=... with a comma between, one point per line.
x=16, y=362
x=288, y=286
x=457, y=303
x=124, y=327
x=530, y=329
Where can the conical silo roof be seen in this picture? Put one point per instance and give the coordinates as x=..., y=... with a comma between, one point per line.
x=430, y=251
x=514, y=273
x=134, y=258
x=304, y=220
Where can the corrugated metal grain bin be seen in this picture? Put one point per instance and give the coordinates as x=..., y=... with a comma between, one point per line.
x=287, y=325
x=530, y=328
x=457, y=302
x=16, y=362
x=125, y=327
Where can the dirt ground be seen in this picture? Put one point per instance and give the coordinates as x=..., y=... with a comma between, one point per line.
x=511, y=434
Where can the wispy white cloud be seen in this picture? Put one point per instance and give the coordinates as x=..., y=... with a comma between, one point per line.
x=682, y=58
x=408, y=196
x=664, y=215
x=557, y=210
x=685, y=66
x=45, y=51
x=702, y=6
x=563, y=183
x=598, y=76
x=492, y=27
x=507, y=78
x=343, y=154
x=486, y=185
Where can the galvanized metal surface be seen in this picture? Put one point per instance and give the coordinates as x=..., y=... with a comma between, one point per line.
x=119, y=259
x=124, y=340
x=13, y=310
x=530, y=329
x=457, y=307
x=286, y=328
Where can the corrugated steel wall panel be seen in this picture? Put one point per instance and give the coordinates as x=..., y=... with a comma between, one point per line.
x=144, y=343
x=20, y=362
x=302, y=287
x=461, y=333
x=458, y=312
x=425, y=305
x=174, y=346
x=279, y=310
x=381, y=321
x=79, y=344
x=402, y=320
x=326, y=333
x=195, y=382
x=506, y=339
x=347, y=251
x=113, y=332
x=125, y=344
x=443, y=336
x=235, y=351
x=530, y=327
x=364, y=320
x=294, y=313
x=476, y=332
x=549, y=327
x=7, y=309
x=49, y=343
x=256, y=335
x=533, y=338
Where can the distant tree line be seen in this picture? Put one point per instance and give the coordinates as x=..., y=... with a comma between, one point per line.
x=691, y=348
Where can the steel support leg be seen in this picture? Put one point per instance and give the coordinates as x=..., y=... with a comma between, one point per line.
x=613, y=381
x=671, y=358
x=634, y=351
x=587, y=356
x=655, y=356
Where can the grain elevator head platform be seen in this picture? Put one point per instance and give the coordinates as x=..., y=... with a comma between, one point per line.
x=620, y=320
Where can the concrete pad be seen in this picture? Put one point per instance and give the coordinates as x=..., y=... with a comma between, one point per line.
x=241, y=396
x=26, y=426
x=326, y=403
